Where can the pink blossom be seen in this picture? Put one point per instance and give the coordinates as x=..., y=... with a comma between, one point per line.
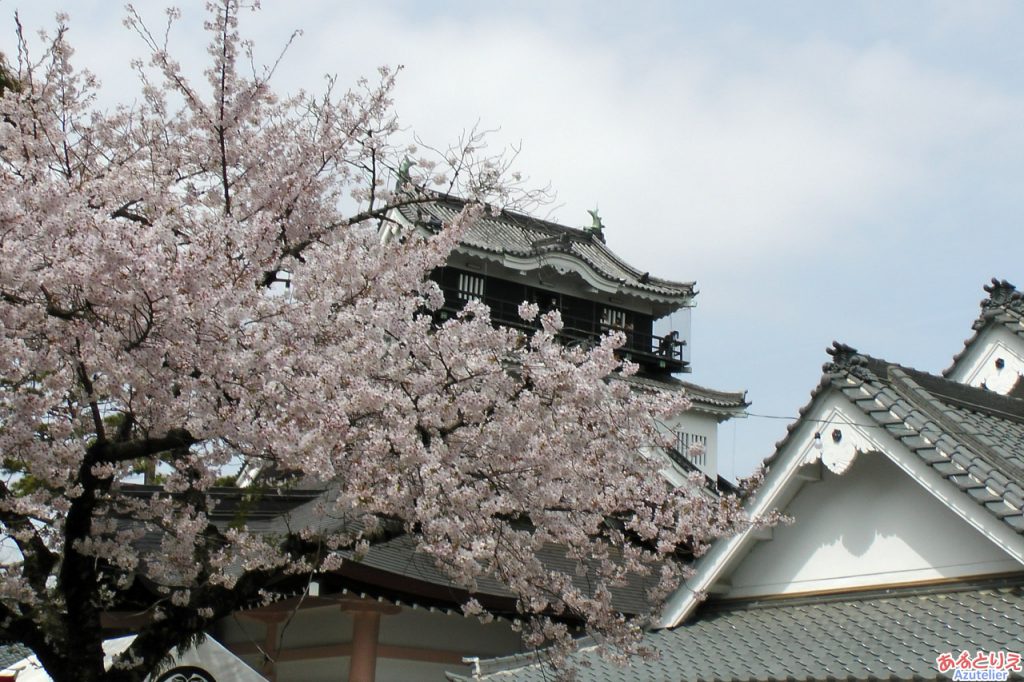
x=189, y=289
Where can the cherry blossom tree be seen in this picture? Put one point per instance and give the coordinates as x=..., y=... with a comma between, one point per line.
x=196, y=281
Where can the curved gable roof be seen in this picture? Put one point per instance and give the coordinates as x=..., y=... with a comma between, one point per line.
x=518, y=235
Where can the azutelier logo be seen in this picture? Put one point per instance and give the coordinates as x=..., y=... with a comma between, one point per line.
x=980, y=666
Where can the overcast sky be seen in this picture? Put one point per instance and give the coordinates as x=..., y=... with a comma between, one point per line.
x=847, y=171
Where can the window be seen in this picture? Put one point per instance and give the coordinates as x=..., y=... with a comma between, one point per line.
x=471, y=287
x=612, y=318
x=693, y=447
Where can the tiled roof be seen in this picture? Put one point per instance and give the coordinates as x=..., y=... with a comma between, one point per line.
x=970, y=436
x=258, y=508
x=1004, y=305
x=521, y=235
x=894, y=635
x=275, y=511
x=708, y=399
x=12, y=652
x=399, y=557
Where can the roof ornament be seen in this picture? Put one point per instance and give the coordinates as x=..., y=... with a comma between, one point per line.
x=403, y=173
x=597, y=226
x=843, y=358
x=1000, y=293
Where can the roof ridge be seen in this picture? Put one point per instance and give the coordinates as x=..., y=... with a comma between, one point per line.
x=862, y=366
x=586, y=236
x=1003, y=297
x=434, y=196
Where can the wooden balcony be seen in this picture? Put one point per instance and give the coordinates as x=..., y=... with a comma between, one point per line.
x=657, y=355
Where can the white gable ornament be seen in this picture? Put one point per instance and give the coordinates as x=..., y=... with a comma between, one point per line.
x=837, y=444
x=1001, y=378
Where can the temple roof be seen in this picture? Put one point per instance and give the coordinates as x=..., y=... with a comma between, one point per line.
x=395, y=569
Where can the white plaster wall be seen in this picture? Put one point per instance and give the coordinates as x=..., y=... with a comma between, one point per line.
x=871, y=526
x=978, y=365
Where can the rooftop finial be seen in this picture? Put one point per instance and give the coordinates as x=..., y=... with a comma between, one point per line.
x=1000, y=292
x=843, y=356
x=596, y=226
x=403, y=173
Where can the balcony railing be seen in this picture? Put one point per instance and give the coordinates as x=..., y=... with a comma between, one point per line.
x=653, y=353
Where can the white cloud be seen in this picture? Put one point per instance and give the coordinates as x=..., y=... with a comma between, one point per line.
x=685, y=151
x=777, y=165
x=749, y=158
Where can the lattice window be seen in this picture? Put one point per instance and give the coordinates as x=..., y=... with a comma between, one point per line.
x=693, y=447
x=471, y=287
x=612, y=318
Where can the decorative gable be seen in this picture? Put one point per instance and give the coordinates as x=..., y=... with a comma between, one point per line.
x=870, y=526
x=993, y=358
x=893, y=477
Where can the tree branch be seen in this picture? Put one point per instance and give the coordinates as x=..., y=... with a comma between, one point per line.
x=125, y=212
x=106, y=451
x=39, y=560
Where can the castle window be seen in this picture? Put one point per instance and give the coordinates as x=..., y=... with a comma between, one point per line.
x=693, y=447
x=613, y=318
x=471, y=287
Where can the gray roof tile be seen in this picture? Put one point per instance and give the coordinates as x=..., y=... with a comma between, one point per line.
x=12, y=652
x=948, y=469
x=964, y=482
x=983, y=495
x=859, y=637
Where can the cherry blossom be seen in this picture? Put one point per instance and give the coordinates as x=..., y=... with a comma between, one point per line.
x=196, y=282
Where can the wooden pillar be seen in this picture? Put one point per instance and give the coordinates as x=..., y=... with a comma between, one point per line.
x=366, y=615
x=362, y=665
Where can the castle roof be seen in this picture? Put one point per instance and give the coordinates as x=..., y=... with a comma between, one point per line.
x=522, y=241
